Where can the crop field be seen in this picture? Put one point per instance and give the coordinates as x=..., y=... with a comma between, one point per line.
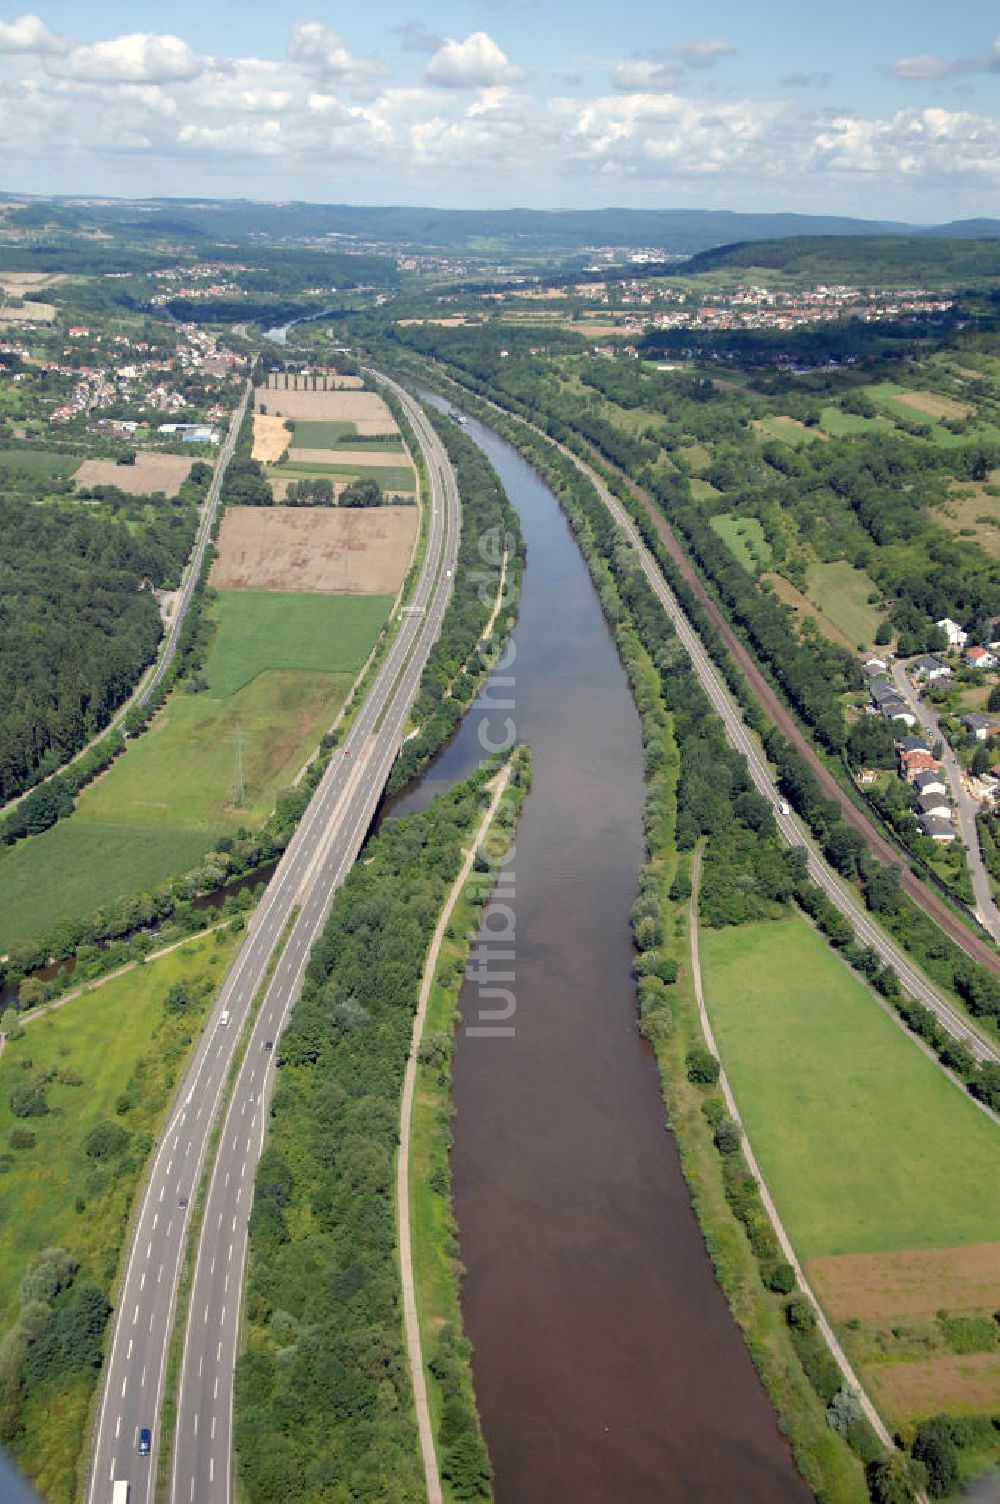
x=966, y=1383
x=41, y=464
x=270, y=438
x=908, y=1282
x=343, y=435
x=366, y=410
x=398, y=479
x=787, y=430
x=151, y=472
x=867, y=1147
x=744, y=537
x=112, y=1046
x=357, y=551
x=933, y=405
x=76, y=867
x=260, y=630
x=30, y=312
x=350, y=459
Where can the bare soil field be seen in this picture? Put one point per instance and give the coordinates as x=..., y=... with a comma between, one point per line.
x=151, y=472
x=960, y=1384
x=908, y=1282
x=358, y=551
x=29, y=312
x=781, y=426
x=365, y=409
x=270, y=437
x=388, y=458
x=455, y=321
x=934, y=405
x=24, y=282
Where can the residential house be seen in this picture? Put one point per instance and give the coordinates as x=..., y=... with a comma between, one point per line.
x=957, y=637
x=917, y=762
x=939, y=830
x=935, y=805
x=912, y=744
x=895, y=708
x=882, y=689
x=873, y=664
x=929, y=783
x=978, y=657
x=866, y=777
x=930, y=668
x=980, y=726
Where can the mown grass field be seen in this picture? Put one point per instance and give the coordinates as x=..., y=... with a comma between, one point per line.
x=115, y=1043
x=841, y=592
x=181, y=773
x=837, y=423
x=261, y=629
x=76, y=867
x=864, y=1142
x=38, y=463
x=744, y=537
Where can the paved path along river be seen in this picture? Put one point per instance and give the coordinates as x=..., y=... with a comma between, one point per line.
x=607, y=1364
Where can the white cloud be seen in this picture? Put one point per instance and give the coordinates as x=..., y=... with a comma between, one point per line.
x=927, y=65
x=476, y=63
x=325, y=53
x=29, y=34
x=639, y=75
x=928, y=142
x=701, y=54
x=662, y=135
x=138, y=58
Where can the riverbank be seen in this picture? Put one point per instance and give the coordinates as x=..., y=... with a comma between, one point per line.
x=438, y=1352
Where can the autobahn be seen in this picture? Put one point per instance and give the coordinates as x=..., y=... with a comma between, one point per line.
x=292, y=909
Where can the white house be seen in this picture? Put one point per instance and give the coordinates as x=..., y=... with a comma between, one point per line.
x=957, y=638
x=980, y=658
x=939, y=830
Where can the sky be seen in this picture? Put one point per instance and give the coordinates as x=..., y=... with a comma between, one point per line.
x=885, y=109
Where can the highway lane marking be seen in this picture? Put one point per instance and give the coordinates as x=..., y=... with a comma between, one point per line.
x=201, y=1365
x=227, y=1177
x=239, y=1193
x=170, y=1164
x=142, y=1282
x=169, y=1226
x=129, y=1353
x=226, y=1285
x=212, y=1270
x=213, y=1427
x=149, y=1246
x=156, y=1219
x=162, y=1189
x=192, y=1488
x=196, y=1423
x=211, y=1470
x=159, y=1274
x=118, y=1427
x=230, y=1250
x=222, y=1318
x=215, y=1392
x=135, y=1314
x=206, y=1315
x=124, y=1383
x=218, y=1355
x=142, y=1381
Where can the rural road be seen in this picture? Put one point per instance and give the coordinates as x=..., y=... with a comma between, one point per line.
x=294, y=906
x=986, y=909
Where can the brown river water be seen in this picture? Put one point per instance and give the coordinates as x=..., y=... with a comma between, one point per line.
x=607, y=1365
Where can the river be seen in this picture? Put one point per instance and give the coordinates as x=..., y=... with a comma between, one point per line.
x=607, y=1364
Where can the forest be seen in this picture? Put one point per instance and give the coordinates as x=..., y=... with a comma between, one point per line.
x=78, y=624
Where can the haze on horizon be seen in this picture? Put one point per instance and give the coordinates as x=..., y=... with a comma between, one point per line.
x=887, y=111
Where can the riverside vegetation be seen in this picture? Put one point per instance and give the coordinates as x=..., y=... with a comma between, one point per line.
x=323, y=1399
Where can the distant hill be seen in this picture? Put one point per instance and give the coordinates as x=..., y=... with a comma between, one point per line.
x=523, y=232
x=868, y=260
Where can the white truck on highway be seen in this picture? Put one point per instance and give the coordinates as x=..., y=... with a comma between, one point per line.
x=119, y=1492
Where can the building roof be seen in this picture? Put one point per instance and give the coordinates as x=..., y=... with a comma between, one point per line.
x=936, y=828
x=882, y=689
x=929, y=804
x=913, y=744
x=928, y=778
x=976, y=721
x=930, y=663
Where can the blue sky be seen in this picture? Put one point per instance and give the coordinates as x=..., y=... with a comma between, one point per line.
x=888, y=108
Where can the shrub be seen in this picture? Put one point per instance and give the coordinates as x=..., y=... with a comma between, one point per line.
x=27, y=1100
x=728, y=1137
x=702, y=1066
x=889, y=1481
x=49, y=1272
x=780, y=1278
x=105, y=1141
x=21, y=1138
x=935, y=1448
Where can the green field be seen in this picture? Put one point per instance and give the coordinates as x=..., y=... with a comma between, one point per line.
x=278, y=671
x=112, y=1047
x=865, y=1144
x=744, y=537
x=838, y=424
x=77, y=867
x=389, y=477
x=841, y=592
x=261, y=629
x=38, y=463
x=181, y=773
x=339, y=434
